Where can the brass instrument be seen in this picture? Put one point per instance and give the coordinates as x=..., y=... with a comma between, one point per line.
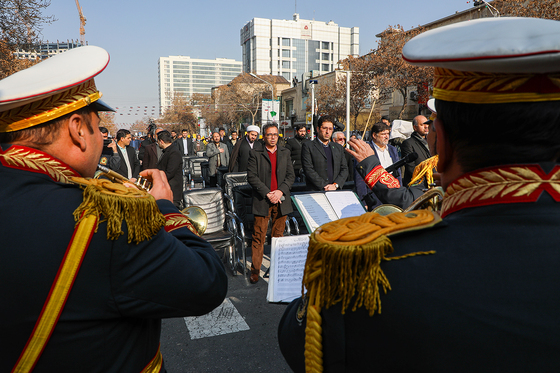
x=430, y=200
x=195, y=214
x=141, y=183
x=197, y=217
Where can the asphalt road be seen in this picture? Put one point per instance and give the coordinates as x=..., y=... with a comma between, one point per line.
x=239, y=336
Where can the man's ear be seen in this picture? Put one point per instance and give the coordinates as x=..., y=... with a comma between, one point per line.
x=78, y=129
x=444, y=149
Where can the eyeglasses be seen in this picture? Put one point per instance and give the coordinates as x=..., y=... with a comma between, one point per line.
x=271, y=135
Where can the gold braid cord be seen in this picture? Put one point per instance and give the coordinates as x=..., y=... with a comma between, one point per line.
x=425, y=169
x=117, y=203
x=343, y=262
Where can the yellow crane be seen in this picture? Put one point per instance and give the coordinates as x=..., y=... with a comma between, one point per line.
x=82, y=24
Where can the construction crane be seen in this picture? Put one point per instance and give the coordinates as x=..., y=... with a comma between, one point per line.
x=82, y=24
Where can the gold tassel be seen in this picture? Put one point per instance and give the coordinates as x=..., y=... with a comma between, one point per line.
x=344, y=262
x=117, y=203
x=426, y=168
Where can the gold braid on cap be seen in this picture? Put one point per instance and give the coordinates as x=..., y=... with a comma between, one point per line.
x=343, y=264
x=494, y=88
x=49, y=108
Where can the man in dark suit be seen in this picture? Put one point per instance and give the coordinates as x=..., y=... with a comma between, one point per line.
x=185, y=144
x=324, y=163
x=171, y=162
x=271, y=175
x=130, y=165
x=418, y=144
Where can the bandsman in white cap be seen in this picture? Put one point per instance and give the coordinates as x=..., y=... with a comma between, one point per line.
x=89, y=267
x=476, y=292
x=239, y=159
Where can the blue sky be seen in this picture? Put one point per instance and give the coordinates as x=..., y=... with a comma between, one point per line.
x=137, y=33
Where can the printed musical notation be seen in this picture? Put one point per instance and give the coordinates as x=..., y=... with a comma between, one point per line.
x=287, y=262
x=317, y=209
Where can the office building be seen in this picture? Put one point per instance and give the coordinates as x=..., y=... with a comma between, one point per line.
x=46, y=50
x=291, y=48
x=184, y=75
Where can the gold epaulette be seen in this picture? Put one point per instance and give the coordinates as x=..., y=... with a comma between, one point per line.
x=425, y=169
x=118, y=203
x=343, y=263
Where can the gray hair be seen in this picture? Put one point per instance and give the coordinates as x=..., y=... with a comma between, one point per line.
x=335, y=135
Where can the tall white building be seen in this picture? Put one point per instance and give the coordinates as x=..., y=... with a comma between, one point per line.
x=185, y=75
x=291, y=48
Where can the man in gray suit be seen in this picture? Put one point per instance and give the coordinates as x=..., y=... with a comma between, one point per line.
x=323, y=161
x=218, y=156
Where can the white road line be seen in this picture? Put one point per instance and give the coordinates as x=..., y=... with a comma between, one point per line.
x=223, y=320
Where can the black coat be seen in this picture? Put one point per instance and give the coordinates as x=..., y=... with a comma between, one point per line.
x=132, y=158
x=485, y=301
x=150, y=156
x=294, y=146
x=171, y=162
x=314, y=162
x=411, y=145
x=259, y=174
x=239, y=157
x=112, y=319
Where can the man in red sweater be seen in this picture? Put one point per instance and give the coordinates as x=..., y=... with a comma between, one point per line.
x=271, y=174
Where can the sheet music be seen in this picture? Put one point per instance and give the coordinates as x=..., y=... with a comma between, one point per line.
x=287, y=262
x=316, y=209
x=345, y=203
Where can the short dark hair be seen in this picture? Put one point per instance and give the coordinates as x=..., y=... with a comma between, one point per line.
x=165, y=136
x=46, y=133
x=122, y=133
x=267, y=126
x=297, y=127
x=184, y=130
x=221, y=129
x=103, y=130
x=325, y=118
x=513, y=132
x=379, y=127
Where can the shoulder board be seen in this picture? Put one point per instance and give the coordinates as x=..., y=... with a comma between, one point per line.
x=116, y=203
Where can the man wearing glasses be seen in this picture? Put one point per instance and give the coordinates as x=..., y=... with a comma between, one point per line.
x=271, y=174
x=323, y=161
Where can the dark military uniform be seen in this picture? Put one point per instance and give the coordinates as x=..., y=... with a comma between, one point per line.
x=486, y=301
x=112, y=319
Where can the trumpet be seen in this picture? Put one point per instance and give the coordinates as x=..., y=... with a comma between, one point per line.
x=194, y=214
x=141, y=183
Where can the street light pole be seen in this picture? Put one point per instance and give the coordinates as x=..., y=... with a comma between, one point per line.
x=271, y=90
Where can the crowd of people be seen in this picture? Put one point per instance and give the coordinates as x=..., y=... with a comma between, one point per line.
x=91, y=267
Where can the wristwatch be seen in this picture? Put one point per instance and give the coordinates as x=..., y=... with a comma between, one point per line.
x=335, y=185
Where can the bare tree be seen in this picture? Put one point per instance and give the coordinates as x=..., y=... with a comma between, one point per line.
x=21, y=22
x=180, y=113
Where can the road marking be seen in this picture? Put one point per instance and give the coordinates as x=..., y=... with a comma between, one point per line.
x=222, y=320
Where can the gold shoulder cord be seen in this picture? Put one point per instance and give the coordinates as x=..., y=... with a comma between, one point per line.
x=343, y=262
